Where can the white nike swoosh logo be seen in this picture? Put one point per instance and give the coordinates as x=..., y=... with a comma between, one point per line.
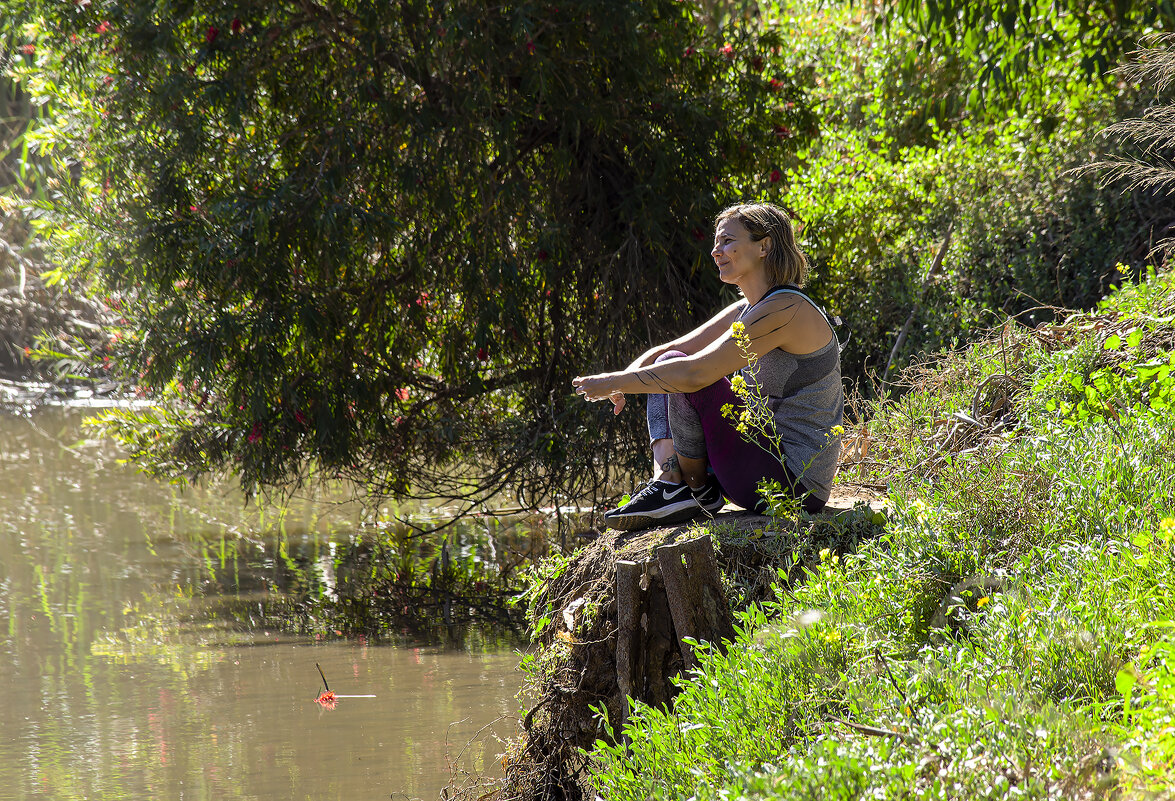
x=671, y=495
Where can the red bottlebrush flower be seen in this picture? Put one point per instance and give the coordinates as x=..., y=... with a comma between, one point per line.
x=728, y=51
x=689, y=51
x=301, y=418
x=255, y=434
x=782, y=131
x=482, y=354
x=327, y=700
x=103, y=27
x=776, y=176
x=235, y=25
x=423, y=298
x=211, y=33
x=530, y=46
x=28, y=49
x=402, y=394
x=776, y=85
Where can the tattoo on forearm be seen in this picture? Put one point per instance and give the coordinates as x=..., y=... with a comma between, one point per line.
x=670, y=465
x=650, y=378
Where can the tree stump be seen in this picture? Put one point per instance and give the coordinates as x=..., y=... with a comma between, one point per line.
x=659, y=602
x=645, y=653
x=697, y=602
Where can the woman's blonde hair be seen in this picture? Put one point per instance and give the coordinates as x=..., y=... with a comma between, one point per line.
x=786, y=263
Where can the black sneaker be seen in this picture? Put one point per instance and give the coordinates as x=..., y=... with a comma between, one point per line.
x=658, y=504
x=709, y=497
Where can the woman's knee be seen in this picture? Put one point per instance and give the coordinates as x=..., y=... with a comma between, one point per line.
x=669, y=354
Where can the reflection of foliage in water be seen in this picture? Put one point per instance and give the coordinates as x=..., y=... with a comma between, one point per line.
x=394, y=583
x=141, y=640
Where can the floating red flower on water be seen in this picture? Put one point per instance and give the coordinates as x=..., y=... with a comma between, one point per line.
x=327, y=700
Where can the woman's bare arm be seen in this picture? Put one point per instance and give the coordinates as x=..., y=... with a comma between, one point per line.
x=692, y=342
x=771, y=327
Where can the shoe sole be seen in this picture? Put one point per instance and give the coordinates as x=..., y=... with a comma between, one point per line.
x=638, y=521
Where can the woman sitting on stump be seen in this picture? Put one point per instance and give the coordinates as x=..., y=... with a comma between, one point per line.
x=698, y=453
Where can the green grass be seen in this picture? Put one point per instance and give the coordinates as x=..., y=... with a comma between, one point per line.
x=1009, y=635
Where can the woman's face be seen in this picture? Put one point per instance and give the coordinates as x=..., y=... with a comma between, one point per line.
x=736, y=255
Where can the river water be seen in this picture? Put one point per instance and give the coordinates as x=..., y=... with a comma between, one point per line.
x=119, y=679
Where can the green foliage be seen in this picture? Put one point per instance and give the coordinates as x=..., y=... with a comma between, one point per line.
x=900, y=157
x=1005, y=637
x=1148, y=702
x=1021, y=43
x=380, y=239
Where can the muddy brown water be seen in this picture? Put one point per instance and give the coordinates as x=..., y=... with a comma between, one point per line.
x=117, y=682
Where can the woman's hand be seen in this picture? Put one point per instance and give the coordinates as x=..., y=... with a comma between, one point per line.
x=599, y=387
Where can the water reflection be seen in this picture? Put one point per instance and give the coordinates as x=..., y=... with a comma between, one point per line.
x=139, y=657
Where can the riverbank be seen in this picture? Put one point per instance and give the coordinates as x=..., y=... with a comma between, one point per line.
x=50, y=336
x=1003, y=634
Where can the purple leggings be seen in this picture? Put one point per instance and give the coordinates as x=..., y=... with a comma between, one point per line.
x=694, y=422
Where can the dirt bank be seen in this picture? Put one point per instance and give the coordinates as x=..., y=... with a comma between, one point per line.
x=575, y=670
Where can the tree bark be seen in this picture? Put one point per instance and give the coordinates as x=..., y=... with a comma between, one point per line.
x=697, y=602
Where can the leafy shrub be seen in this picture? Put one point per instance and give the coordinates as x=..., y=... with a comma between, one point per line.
x=901, y=156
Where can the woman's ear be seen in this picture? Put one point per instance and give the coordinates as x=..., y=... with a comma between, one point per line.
x=764, y=246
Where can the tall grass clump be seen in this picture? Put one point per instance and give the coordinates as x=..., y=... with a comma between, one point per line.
x=1010, y=633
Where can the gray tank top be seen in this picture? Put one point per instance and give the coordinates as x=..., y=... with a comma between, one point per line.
x=806, y=399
